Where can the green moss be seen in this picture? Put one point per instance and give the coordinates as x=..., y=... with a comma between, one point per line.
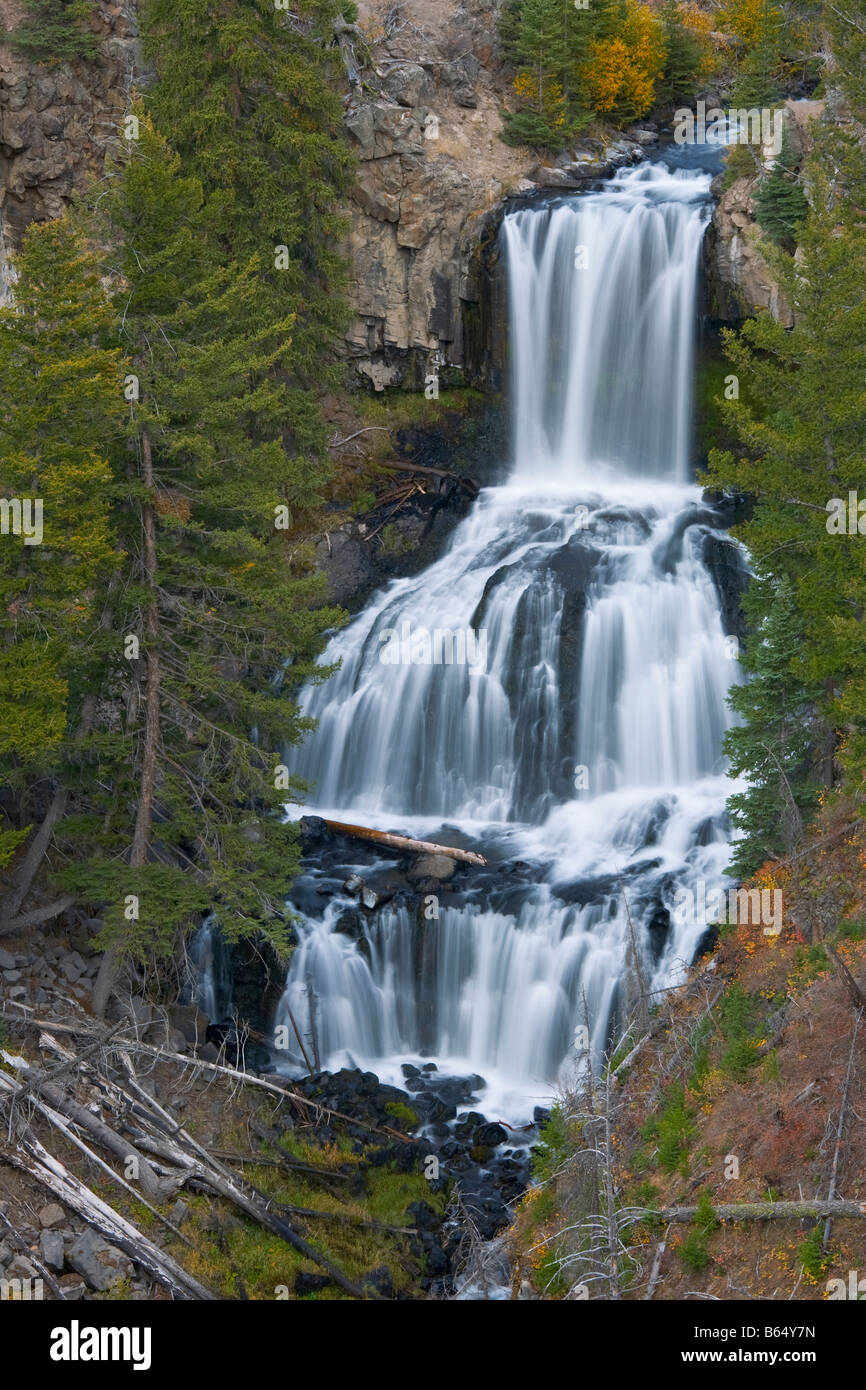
x=403, y=1113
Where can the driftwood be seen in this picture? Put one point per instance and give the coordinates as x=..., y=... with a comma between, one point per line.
x=402, y=842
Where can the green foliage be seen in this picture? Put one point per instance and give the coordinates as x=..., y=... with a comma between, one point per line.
x=683, y=61
x=55, y=31
x=575, y=63
x=173, y=428
x=673, y=1128
x=811, y=1255
x=741, y=162
x=555, y=1145
x=801, y=422
x=62, y=415
x=780, y=203
x=771, y=745
x=693, y=1251
x=758, y=80
x=222, y=603
x=845, y=26
x=738, y=1016
x=250, y=99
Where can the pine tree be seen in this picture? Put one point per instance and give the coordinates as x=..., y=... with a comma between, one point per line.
x=771, y=745
x=804, y=435
x=757, y=81
x=684, y=57
x=55, y=31
x=215, y=601
x=250, y=98
x=62, y=411
x=780, y=203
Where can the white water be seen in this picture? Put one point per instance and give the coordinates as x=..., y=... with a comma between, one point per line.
x=604, y=651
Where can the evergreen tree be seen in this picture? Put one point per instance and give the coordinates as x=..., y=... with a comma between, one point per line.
x=805, y=447
x=780, y=203
x=845, y=24
x=757, y=81
x=56, y=31
x=62, y=411
x=771, y=745
x=684, y=58
x=248, y=96
x=186, y=817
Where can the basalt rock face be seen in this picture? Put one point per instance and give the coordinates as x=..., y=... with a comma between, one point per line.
x=739, y=280
x=58, y=122
x=425, y=127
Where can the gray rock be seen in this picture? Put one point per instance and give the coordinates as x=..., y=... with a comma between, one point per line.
x=179, y=1213
x=21, y=1268
x=439, y=866
x=100, y=1264
x=72, y=967
x=409, y=85
x=5, y=1254
x=51, y=1250
x=139, y=1010
x=7, y=961
x=73, y=1286
x=190, y=1021
x=51, y=1216
x=12, y=977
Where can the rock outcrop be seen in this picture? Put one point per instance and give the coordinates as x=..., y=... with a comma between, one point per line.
x=57, y=123
x=740, y=281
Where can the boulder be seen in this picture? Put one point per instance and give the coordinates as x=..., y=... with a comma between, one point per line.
x=51, y=1250
x=51, y=1215
x=437, y=866
x=100, y=1264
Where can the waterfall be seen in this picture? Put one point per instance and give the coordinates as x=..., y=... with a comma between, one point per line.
x=553, y=688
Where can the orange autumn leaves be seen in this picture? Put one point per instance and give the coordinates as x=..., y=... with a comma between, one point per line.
x=622, y=71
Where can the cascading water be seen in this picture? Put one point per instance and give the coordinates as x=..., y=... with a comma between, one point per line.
x=553, y=688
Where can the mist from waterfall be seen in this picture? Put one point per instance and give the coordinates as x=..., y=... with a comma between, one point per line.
x=584, y=757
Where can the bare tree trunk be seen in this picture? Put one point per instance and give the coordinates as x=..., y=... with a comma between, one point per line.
x=110, y=964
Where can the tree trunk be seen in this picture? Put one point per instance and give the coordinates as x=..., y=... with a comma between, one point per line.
x=110, y=964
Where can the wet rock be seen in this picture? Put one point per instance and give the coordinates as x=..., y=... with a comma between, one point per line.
x=436, y=866
x=492, y=1135
x=423, y=1216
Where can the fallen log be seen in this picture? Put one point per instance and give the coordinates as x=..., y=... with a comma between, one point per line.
x=403, y=842
x=765, y=1211
x=32, y=1158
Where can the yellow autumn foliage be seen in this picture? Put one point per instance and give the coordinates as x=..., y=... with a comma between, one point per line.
x=749, y=20
x=622, y=72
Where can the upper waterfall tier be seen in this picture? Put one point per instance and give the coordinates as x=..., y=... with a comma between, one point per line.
x=602, y=300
